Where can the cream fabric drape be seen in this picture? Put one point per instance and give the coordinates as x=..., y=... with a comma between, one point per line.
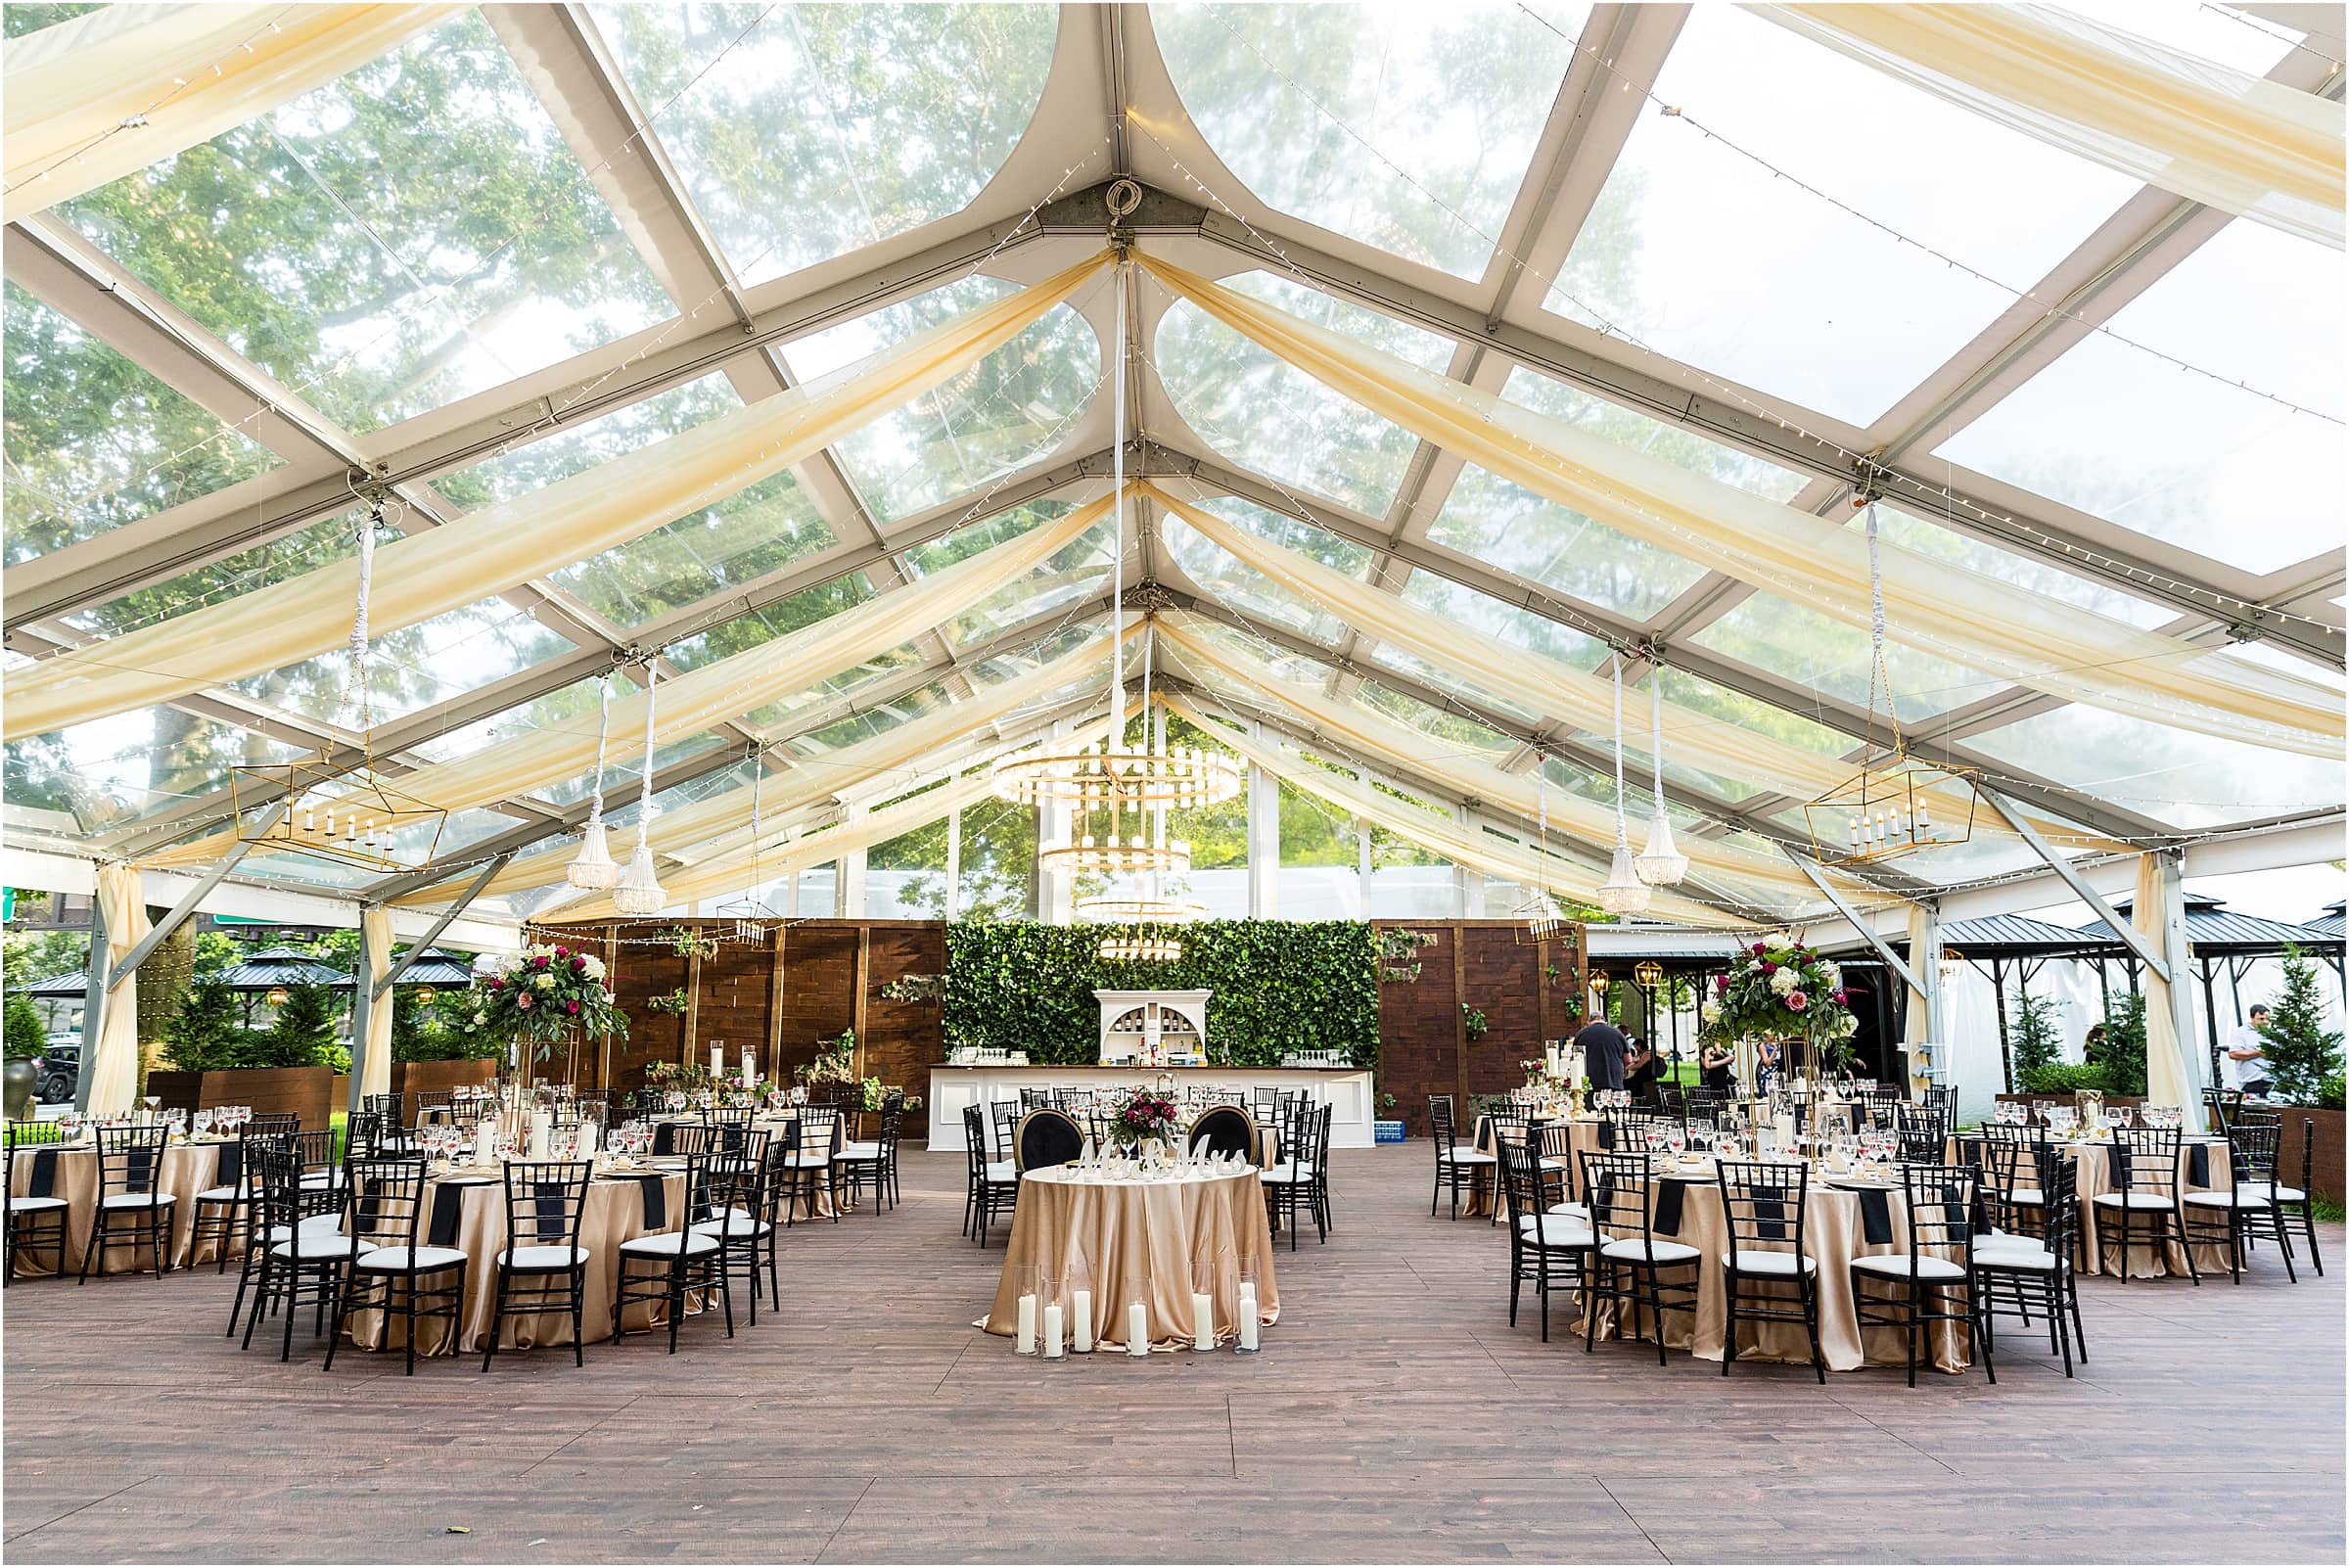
x=722, y=824
x=1943, y=608
x=725, y=875
x=2191, y=125
x=1376, y=740
x=1537, y=681
x=184, y=73
x=1918, y=1026
x=726, y=690
x=112, y=1062
x=500, y=546
x=2167, y=1081
x=1467, y=845
x=375, y=1073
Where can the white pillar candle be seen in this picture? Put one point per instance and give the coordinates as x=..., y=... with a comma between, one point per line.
x=1203, y=1321
x=750, y=1064
x=718, y=1061
x=1052, y=1334
x=1083, y=1328
x=1027, y=1332
x=1248, y=1325
x=1137, y=1329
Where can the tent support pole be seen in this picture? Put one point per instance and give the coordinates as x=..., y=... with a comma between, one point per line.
x=2128, y=934
x=1867, y=933
x=186, y=906
x=431, y=933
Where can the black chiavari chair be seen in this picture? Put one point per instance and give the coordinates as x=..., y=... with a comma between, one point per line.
x=1628, y=1267
x=36, y=1217
x=1933, y=1281
x=132, y=1204
x=860, y=1165
x=2247, y=1208
x=543, y=1268
x=293, y=1262
x=2031, y=1276
x=1763, y=1204
x=2145, y=1206
x=395, y=1270
x=688, y=1256
x=1543, y=1243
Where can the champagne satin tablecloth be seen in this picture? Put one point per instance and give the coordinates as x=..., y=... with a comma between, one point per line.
x=73, y=1174
x=1128, y=1241
x=2207, y=1164
x=1835, y=1230
x=468, y=1211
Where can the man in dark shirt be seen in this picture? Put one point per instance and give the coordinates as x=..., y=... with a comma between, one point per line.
x=1639, y=1071
x=1604, y=1048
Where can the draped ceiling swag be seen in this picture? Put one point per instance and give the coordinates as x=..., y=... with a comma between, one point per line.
x=1398, y=484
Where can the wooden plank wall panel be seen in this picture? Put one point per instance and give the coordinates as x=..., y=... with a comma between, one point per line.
x=904, y=1039
x=819, y=988
x=1419, y=1020
x=734, y=1002
x=1415, y=1025
x=640, y=972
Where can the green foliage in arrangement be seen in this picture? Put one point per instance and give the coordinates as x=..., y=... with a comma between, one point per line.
x=2301, y=1052
x=1277, y=986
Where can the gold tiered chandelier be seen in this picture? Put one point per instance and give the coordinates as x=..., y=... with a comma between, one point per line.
x=1886, y=809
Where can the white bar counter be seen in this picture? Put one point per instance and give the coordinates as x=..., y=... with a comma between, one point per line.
x=1347, y=1091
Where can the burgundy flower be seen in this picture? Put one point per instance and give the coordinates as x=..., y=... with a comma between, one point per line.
x=572, y=1006
x=1769, y=968
x=578, y=965
x=1840, y=997
x=562, y=952
x=1759, y=949
x=497, y=985
x=540, y=961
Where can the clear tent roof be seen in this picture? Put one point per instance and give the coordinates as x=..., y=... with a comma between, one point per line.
x=514, y=250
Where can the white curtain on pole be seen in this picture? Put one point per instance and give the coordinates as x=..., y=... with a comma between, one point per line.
x=2167, y=1081
x=112, y=1061
x=375, y=1076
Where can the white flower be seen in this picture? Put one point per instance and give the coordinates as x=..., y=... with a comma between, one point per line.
x=1833, y=974
x=595, y=966
x=1709, y=1011
x=1848, y=1024
x=544, y=982
x=1784, y=982
x=480, y=1019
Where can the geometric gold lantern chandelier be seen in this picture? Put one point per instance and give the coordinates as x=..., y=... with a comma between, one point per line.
x=341, y=811
x=1897, y=803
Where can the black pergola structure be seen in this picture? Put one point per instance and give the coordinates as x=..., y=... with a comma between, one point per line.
x=1993, y=944
x=2217, y=936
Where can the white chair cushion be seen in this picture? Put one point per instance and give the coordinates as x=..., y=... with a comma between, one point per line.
x=317, y=1245
x=2245, y=1199
x=1556, y=1229
x=2133, y=1200
x=1895, y=1266
x=317, y=1224
x=1000, y=1171
x=732, y=1223
x=138, y=1200
x=1288, y=1174
x=1632, y=1249
x=1465, y=1157
x=1754, y=1261
x=394, y=1260
x=2269, y=1190
x=2014, y=1252
x=541, y=1258
x=218, y=1195
x=36, y=1205
x=695, y=1243
x=859, y=1151
x=320, y=1180
x=2027, y=1198
x=805, y=1159
x=1581, y=1211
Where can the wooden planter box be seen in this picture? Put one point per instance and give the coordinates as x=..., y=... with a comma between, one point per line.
x=306, y=1091
x=2325, y=1177
x=439, y=1078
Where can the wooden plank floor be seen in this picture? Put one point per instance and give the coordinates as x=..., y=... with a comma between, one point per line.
x=1395, y=1416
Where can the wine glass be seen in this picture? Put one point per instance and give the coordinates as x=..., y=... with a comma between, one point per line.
x=153, y=1102
x=1675, y=1140
x=203, y=1124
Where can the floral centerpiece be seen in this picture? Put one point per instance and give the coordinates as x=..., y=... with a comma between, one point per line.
x=1783, y=990
x=1144, y=1114
x=543, y=996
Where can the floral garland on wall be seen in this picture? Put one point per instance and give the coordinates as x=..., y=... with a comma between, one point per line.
x=1782, y=989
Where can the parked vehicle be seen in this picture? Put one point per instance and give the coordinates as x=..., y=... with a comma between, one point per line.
x=59, y=1070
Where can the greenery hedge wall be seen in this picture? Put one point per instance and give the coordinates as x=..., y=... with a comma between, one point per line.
x=1277, y=985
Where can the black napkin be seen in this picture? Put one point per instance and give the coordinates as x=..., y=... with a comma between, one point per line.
x=549, y=1201
x=1606, y=1134
x=2115, y=1170
x=140, y=1169
x=231, y=1165
x=44, y=1174
x=1771, y=1211
x=448, y=1207
x=2198, y=1165
x=665, y=1138
x=1672, y=1197
x=656, y=1200
x=1876, y=1217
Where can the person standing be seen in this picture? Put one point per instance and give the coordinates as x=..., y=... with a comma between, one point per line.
x=1714, y=1062
x=2248, y=1056
x=1639, y=1070
x=1604, y=1049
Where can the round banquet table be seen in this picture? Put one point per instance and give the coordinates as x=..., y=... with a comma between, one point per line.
x=1144, y=1239
x=69, y=1170
x=1839, y=1223
x=1563, y=1146
x=805, y=1204
x=466, y=1209
x=2208, y=1165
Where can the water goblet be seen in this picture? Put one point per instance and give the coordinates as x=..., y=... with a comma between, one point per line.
x=203, y=1124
